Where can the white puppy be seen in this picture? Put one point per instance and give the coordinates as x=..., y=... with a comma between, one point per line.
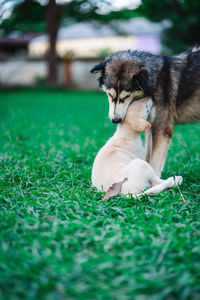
x=123, y=156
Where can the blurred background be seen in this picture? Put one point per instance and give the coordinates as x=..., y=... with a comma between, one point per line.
x=49, y=42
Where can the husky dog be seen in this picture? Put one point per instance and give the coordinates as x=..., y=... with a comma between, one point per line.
x=173, y=83
x=122, y=157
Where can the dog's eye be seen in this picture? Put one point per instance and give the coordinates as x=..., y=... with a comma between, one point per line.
x=124, y=98
x=114, y=99
x=124, y=95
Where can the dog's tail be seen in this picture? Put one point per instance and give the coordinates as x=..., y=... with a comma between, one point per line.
x=195, y=48
x=194, y=53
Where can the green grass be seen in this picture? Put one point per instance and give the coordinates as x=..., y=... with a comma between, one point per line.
x=57, y=240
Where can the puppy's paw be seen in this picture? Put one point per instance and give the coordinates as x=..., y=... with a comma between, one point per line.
x=174, y=181
x=178, y=180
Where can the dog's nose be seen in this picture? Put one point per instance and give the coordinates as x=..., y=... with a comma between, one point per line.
x=116, y=120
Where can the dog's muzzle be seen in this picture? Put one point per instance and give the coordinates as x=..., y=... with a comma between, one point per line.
x=116, y=120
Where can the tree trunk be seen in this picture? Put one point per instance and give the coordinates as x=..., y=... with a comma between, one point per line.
x=54, y=14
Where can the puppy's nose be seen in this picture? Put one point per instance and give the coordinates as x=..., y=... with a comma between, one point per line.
x=116, y=120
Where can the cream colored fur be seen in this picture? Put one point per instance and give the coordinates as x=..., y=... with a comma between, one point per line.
x=123, y=156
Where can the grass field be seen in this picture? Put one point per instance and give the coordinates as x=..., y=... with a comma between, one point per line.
x=57, y=240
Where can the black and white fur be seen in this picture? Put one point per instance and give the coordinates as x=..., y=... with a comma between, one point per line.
x=173, y=83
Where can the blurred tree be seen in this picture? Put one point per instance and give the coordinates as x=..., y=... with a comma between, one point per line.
x=184, y=16
x=46, y=16
x=22, y=15
x=32, y=16
x=54, y=14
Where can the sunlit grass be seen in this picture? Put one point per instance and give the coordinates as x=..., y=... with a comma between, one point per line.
x=58, y=241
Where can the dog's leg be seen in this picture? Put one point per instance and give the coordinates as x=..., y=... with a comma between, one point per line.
x=148, y=144
x=160, y=139
x=168, y=183
x=159, y=153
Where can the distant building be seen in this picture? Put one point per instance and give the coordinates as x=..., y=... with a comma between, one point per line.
x=15, y=44
x=86, y=40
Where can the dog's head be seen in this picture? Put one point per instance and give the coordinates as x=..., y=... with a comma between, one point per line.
x=124, y=78
x=137, y=114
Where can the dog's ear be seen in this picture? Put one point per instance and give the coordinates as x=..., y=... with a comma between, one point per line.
x=98, y=68
x=142, y=80
x=141, y=125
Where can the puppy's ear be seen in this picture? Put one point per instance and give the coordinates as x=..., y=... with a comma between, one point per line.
x=98, y=68
x=142, y=80
x=141, y=125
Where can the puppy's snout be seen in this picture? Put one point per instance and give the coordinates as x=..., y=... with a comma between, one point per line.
x=116, y=120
